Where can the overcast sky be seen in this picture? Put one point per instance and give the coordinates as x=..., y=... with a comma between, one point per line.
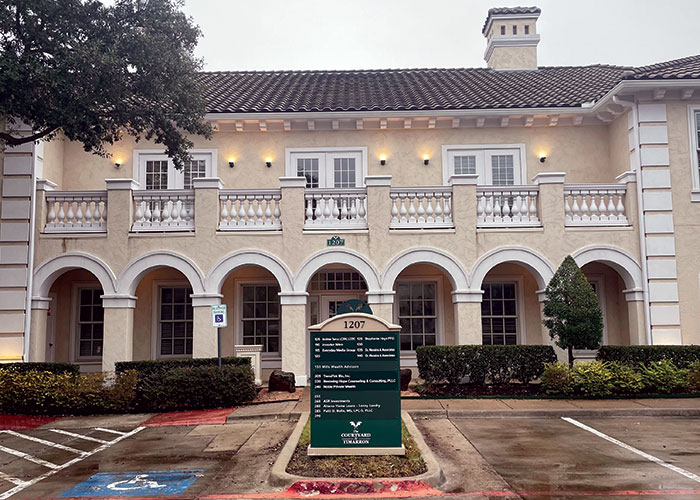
x=357, y=34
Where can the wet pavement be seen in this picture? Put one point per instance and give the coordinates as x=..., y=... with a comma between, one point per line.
x=615, y=457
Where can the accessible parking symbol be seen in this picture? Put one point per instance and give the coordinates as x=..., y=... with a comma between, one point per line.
x=131, y=484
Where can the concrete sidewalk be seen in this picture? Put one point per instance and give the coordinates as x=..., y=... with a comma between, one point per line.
x=497, y=408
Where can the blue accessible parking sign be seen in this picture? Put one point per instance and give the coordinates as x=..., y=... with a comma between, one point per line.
x=131, y=484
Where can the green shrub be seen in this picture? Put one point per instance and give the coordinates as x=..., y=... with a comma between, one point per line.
x=498, y=364
x=694, y=377
x=557, y=378
x=680, y=355
x=625, y=379
x=194, y=387
x=57, y=368
x=663, y=377
x=152, y=367
x=592, y=379
x=48, y=393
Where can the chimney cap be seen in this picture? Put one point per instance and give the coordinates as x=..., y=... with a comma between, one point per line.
x=509, y=11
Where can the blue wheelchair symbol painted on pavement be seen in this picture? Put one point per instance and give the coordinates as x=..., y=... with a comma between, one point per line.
x=130, y=484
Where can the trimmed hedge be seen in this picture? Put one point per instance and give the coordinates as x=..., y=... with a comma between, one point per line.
x=681, y=356
x=57, y=368
x=195, y=387
x=496, y=363
x=47, y=393
x=159, y=366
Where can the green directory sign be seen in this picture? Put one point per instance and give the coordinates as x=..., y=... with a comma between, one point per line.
x=355, y=387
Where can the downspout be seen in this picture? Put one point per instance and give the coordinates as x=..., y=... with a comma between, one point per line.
x=30, y=263
x=634, y=109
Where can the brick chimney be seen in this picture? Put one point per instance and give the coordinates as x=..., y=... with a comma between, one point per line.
x=511, y=38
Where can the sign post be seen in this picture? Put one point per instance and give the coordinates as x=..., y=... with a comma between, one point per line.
x=355, y=387
x=218, y=321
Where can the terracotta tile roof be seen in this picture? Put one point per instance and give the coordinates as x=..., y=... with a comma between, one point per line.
x=509, y=10
x=686, y=67
x=424, y=89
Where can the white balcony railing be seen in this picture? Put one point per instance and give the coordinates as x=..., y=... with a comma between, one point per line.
x=507, y=206
x=256, y=210
x=163, y=210
x=595, y=205
x=76, y=212
x=417, y=208
x=336, y=208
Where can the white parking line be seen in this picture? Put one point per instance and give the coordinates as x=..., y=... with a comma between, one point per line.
x=28, y=457
x=11, y=479
x=43, y=441
x=109, y=430
x=107, y=444
x=79, y=436
x=627, y=447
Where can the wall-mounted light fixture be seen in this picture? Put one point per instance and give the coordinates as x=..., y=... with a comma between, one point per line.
x=382, y=159
x=118, y=163
x=426, y=159
x=543, y=157
x=268, y=162
x=231, y=162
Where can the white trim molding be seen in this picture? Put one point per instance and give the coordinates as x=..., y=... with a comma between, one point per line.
x=47, y=272
x=425, y=255
x=132, y=273
x=291, y=171
x=222, y=269
x=337, y=257
x=520, y=173
x=622, y=262
x=694, y=148
x=537, y=264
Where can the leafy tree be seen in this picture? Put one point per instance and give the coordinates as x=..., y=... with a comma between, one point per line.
x=571, y=309
x=96, y=72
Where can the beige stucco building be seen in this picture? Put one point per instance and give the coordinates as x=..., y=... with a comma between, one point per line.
x=444, y=198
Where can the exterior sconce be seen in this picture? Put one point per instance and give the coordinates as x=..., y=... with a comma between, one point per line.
x=543, y=157
x=268, y=162
x=426, y=160
x=231, y=162
x=382, y=160
x=118, y=163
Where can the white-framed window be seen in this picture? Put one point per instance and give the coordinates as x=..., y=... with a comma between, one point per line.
x=175, y=323
x=500, y=323
x=89, y=324
x=260, y=316
x=154, y=170
x=328, y=167
x=417, y=313
x=694, y=126
x=495, y=164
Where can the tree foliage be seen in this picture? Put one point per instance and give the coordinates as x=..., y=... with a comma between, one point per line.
x=96, y=72
x=571, y=309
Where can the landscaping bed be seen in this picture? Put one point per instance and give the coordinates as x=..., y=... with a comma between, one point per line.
x=359, y=467
x=462, y=390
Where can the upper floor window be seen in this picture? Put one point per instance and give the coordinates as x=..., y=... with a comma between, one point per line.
x=497, y=165
x=515, y=30
x=694, y=124
x=156, y=171
x=527, y=29
x=503, y=30
x=328, y=167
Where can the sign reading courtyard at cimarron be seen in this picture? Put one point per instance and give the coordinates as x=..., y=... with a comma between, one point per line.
x=355, y=387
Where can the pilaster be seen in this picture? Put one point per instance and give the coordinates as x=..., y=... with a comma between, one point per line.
x=120, y=207
x=204, y=336
x=206, y=205
x=118, y=330
x=295, y=338
x=467, y=314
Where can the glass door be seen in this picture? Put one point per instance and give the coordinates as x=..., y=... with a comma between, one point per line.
x=330, y=303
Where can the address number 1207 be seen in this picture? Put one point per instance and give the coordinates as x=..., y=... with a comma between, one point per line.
x=354, y=325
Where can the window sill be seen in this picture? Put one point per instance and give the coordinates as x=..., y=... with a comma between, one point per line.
x=695, y=196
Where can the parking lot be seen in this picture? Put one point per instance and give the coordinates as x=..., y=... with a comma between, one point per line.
x=519, y=457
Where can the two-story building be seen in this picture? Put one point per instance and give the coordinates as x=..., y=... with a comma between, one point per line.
x=445, y=198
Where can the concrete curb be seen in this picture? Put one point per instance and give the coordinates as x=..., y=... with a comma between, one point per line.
x=558, y=413
x=279, y=477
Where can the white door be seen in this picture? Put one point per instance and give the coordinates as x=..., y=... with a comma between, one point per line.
x=158, y=171
x=330, y=303
x=339, y=169
x=502, y=167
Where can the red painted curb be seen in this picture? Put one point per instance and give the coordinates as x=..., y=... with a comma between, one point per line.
x=194, y=417
x=23, y=422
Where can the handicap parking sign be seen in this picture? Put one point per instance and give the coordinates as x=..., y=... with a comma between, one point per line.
x=132, y=484
x=218, y=316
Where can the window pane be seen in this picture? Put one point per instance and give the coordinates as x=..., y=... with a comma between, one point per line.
x=260, y=316
x=344, y=172
x=90, y=323
x=499, y=314
x=502, y=170
x=465, y=164
x=175, y=321
x=417, y=314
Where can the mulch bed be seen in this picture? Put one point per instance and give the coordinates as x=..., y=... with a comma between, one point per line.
x=449, y=390
x=265, y=396
x=359, y=467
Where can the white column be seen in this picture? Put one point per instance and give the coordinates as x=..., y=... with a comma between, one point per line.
x=118, y=330
x=467, y=311
x=295, y=339
x=382, y=304
x=204, y=336
x=37, y=347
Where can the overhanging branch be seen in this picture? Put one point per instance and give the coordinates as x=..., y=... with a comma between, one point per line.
x=12, y=140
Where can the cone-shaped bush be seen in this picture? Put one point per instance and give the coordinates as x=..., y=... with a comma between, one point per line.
x=571, y=310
